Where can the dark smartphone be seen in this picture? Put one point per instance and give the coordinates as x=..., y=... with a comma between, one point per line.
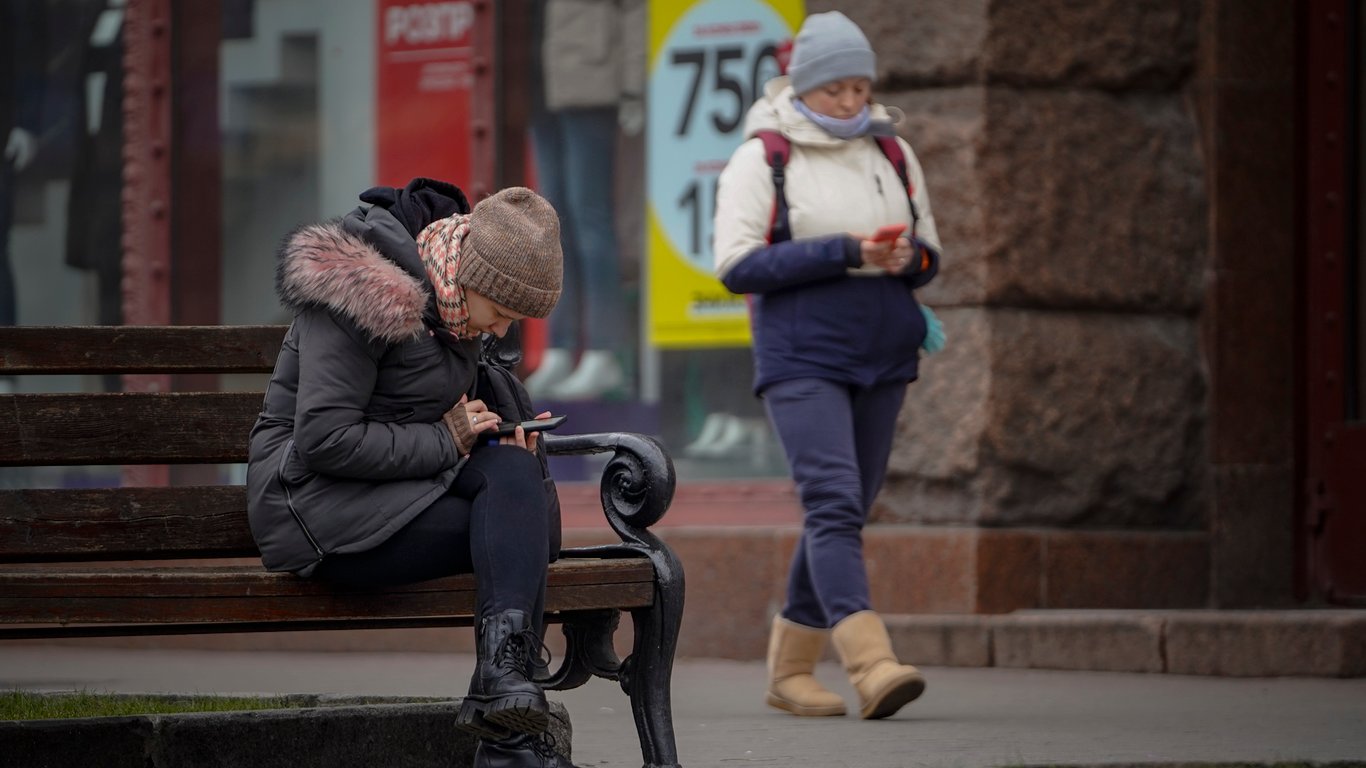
x=506, y=428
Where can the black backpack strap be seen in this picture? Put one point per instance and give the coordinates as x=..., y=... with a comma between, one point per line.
x=891, y=148
x=777, y=150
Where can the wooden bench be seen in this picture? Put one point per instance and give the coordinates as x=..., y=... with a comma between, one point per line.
x=61, y=573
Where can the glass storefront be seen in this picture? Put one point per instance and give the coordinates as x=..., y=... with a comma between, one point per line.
x=316, y=100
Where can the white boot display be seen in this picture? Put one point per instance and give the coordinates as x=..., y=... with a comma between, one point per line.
x=728, y=437
x=556, y=365
x=598, y=374
x=712, y=428
x=724, y=440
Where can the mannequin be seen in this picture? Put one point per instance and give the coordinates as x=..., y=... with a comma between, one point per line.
x=590, y=87
x=21, y=91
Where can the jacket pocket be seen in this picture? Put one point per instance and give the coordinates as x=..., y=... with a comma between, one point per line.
x=293, y=474
x=293, y=471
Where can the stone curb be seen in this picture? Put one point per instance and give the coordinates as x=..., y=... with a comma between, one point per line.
x=1237, y=764
x=333, y=733
x=1306, y=643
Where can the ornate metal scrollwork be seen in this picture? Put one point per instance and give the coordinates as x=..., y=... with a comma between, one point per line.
x=588, y=650
x=636, y=490
x=637, y=483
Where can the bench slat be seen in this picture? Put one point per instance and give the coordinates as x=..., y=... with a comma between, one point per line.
x=126, y=428
x=246, y=594
x=139, y=349
x=38, y=525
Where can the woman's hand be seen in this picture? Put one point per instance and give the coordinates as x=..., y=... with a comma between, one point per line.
x=523, y=439
x=481, y=418
x=466, y=420
x=893, y=256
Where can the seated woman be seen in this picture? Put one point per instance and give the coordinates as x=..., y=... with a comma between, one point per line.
x=369, y=464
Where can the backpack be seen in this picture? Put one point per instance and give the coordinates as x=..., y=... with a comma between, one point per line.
x=500, y=389
x=778, y=150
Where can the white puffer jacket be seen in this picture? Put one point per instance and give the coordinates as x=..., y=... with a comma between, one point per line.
x=814, y=312
x=833, y=185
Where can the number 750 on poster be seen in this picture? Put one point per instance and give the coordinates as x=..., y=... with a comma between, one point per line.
x=709, y=61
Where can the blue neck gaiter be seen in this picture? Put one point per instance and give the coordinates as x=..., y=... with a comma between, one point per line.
x=848, y=128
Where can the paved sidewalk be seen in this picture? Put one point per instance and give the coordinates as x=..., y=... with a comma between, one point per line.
x=968, y=717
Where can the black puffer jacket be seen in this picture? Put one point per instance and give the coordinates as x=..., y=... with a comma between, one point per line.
x=350, y=444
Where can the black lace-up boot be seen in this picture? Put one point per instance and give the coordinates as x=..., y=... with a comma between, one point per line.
x=503, y=701
x=522, y=751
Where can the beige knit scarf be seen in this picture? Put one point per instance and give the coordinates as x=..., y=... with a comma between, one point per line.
x=439, y=246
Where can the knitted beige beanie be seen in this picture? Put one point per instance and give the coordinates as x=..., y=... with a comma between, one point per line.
x=512, y=252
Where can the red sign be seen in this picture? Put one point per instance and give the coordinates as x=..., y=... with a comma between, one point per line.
x=425, y=77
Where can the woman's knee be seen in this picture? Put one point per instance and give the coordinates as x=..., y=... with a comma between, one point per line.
x=833, y=495
x=500, y=463
x=832, y=510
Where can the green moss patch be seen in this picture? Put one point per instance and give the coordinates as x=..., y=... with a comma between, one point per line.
x=26, y=705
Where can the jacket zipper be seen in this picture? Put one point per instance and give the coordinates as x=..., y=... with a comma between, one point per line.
x=289, y=502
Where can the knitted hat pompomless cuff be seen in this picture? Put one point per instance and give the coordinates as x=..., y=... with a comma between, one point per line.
x=512, y=254
x=829, y=47
x=480, y=276
x=832, y=66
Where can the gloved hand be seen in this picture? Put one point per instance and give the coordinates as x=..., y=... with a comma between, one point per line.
x=631, y=114
x=466, y=420
x=923, y=248
x=934, y=332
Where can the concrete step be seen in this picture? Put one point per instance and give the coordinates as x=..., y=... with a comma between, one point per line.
x=953, y=596
x=1304, y=643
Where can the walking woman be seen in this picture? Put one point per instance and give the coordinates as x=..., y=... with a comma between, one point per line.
x=369, y=464
x=837, y=332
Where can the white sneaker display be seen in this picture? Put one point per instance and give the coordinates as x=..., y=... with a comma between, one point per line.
x=728, y=437
x=598, y=374
x=712, y=428
x=556, y=365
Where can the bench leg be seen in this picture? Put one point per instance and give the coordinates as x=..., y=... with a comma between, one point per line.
x=648, y=673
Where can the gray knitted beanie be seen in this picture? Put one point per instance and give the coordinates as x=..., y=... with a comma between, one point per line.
x=829, y=47
x=512, y=253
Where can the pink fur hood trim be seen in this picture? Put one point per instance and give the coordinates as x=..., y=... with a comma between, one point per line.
x=323, y=264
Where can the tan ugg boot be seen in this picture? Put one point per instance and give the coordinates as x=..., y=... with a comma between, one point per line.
x=884, y=685
x=792, y=654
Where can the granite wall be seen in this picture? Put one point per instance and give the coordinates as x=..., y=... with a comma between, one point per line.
x=1062, y=154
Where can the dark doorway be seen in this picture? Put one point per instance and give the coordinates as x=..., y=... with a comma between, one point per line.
x=1334, y=382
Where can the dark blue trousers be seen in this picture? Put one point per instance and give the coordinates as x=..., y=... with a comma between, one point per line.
x=574, y=154
x=492, y=523
x=837, y=439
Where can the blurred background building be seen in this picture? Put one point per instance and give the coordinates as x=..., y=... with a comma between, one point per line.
x=1152, y=395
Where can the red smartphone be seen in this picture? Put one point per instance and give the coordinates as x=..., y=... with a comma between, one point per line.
x=888, y=233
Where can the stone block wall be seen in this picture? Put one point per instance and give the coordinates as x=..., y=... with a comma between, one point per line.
x=1062, y=152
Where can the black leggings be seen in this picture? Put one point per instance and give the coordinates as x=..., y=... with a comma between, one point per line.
x=491, y=523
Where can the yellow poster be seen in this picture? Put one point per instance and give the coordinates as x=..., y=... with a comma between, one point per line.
x=709, y=60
